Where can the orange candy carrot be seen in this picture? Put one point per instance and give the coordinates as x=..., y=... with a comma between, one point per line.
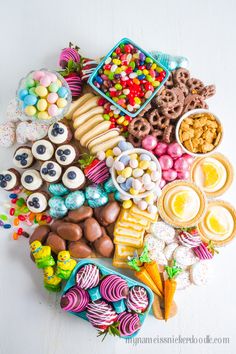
x=153, y=271
x=170, y=287
x=144, y=276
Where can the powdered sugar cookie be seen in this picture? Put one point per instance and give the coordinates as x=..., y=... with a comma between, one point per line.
x=154, y=243
x=26, y=132
x=169, y=250
x=163, y=231
x=158, y=256
x=184, y=256
x=199, y=273
x=183, y=280
x=7, y=134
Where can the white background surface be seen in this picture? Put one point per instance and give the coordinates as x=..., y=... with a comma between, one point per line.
x=32, y=34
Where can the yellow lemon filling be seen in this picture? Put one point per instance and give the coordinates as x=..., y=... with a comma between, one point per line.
x=180, y=203
x=216, y=224
x=211, y=174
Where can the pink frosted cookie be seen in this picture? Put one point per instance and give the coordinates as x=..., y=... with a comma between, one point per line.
x=184, y=256
x=169, y=250
x=154, y=243
x=7, y=134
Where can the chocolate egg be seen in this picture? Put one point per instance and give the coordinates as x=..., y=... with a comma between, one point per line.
x=56, y=243
x=79, y=249
x=92, y=229
x=40, y=234
x=109, y=213
x=104, y=246
x=80, y=214
x=58, y=189
x=69, y=231
x=75, y=200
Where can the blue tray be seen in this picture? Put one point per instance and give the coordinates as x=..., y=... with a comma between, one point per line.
x=94, y=74
x=94, y=293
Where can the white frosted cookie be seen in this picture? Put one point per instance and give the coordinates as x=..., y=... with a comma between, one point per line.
x=184, y=256
x=169, y=250
x=158, y=256
x=199, y=273
x=183, y=280
x=154, y=243
x=163, y=231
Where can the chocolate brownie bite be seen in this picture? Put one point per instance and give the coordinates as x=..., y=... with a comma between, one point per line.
x=51, y=171
x=59, y=133
x=10, y=179
x=23, y=157
x=42, y=150
x=66, y=154
x=73, y=178
x=37, y=202
x=31, y=180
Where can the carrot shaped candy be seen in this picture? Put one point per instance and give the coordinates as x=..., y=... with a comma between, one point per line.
x=153, y=271
x=170, y=287
x=144, y=276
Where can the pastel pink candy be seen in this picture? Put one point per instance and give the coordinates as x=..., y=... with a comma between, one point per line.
x=137, y=300
x=128, y=323
x=45, y=80
x=52, y=76
x=88, y=277
x=52, y=97
x=113, y=288
x=53, y=110
x=75, y=300
x=37, y=75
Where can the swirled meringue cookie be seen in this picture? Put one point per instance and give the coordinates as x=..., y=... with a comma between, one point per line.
x=50, y=171
x=23, y=157
x=42, y=150
x=59, y=133
x=66, y=154
x=9, y=179
x=31, y=180
x=73, y=178
x=37, y=202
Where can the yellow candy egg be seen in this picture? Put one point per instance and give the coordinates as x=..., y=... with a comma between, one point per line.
x=30, y=111
x=127, y=204
x=61, y=102
x=41, y=91
x=133, y=191
x=149, y=198
x=43, y=115
x=133, y=156
x=58, y=82
x=144, y=164
x=109, y=153
x=127, y=172
x=42, y=105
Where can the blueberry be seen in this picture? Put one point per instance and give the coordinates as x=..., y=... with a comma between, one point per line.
x=24, y=155
x=3, y=184
x=31, y=203
x=8, y=177
x=37, y=205
x=29, y=179
x=23, y=162
x=60, y=130
x=52, y=173
x=59, y=152
x=71, y=175
x=50, y=165
x=44, y=171
x=1, y=177
x=56, y=125
x=67, y=152
x=63, y=158
x=41, y=149
x=35, y=199
x=54, y=132
x=18, y=157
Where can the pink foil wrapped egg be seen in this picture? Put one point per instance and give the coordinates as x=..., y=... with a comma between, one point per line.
x=149, y=142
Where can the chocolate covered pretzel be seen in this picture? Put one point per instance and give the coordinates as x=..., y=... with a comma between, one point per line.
x=139, y=127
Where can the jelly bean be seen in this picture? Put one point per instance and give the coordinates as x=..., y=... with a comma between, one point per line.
x=16, y=221
x=25, y=210
x=12, y=211
x=15, y=236
x=7, y=226
x=21, y=217
x=49, y=219
x=20, y=202
x=1, y=223
x=3, y=217
x=31, y=216
x=38, y=217
x=20, y=231
x=17, y=212
x=13, y=196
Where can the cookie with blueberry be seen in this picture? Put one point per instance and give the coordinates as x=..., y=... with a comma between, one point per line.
x=66, y=154
x=59, y=133
x=23, y=157
x=73, y=178
x=37, y=202
x=42, y=150
x=10, y=179
x=51, y=171
x=31, y=180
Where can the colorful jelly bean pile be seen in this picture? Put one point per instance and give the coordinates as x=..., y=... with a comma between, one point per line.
x=115, y=116
x=43, y=95
x=129, y=77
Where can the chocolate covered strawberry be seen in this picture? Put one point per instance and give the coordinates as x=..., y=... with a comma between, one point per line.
x=102, y=316
x=95, y=170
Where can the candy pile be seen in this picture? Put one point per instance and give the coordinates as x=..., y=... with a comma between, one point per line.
x=44, y=95
x=128, y=77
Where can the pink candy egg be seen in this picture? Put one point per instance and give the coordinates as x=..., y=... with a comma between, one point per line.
x=149, y=142
x=188, y=158
x=181, y=164
x=52, y=97
x=52, y=110
x=166, y=162
x=45, y=81
x=160, y=149
x=53, y=77
x=174, y=150
x=169, y=175
x=37, y=75
x=183, y=174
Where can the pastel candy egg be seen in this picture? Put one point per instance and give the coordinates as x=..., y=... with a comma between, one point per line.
x=61, y=102
x=152, y=209
x=30, y=111
x=142, y=205
x=32, y=91
x=45, y=81
x=146, y=178
x=42, y=105
x=52, y=110
x=150, y=198
x=129, y=182
x=155, y=176
x=133, y=163
x=58, y=82
x=30, y=100
x=37, y=75
x=144, y=164
x=119, y=166
x=137, y=172
x=53, y=87
x=125, y=159
x=75, y=200
x=124, y=187
x=109, y=161
x=53, y=77
x=136, y=184
x=123, y=145
x=127, y=172
x=58, y=189
x=152, y=166
x=62, y=92
x=29, y=83
x=52, y=97
x=22, y=94
x=41, y=91
x=116, y=151
x=127, y=204
x=121, y=179
x=43, y=115
x=145, y=157
x=133, y=191
x=101, y=155
x=149, y=186
x=133, y=156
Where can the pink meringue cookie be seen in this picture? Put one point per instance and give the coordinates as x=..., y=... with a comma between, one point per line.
x=128, y=323
x=202, y=252
x=75, y=300
x=113, y=288
x=137, y=300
